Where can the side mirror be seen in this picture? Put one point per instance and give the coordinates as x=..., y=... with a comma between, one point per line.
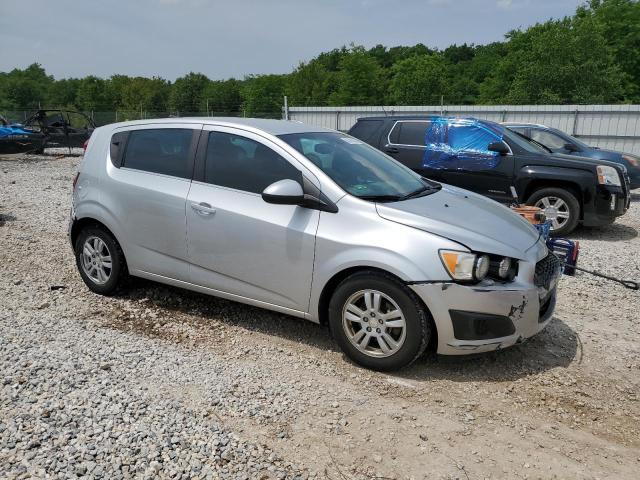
x=284, y=192
x=570, y=147
x=499, y=147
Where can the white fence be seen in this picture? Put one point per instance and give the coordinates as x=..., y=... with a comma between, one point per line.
x=606, y=126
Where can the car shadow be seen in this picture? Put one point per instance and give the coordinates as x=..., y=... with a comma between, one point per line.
x=556, y=346
x=615, y=232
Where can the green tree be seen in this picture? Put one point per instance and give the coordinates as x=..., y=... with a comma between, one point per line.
x=95, y=94
x=187, y=92
x=619, y=22
x=263, y=95
x=222, y=97
x=419, y=80
x=62, y=93
x=559, y=61
x=310, y=84
x=24, y=89
x=359, y=80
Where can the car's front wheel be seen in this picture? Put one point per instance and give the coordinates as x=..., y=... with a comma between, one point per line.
x=560, y=206
x=378, y=321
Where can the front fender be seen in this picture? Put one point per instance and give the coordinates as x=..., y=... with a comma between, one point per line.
x=529, y=175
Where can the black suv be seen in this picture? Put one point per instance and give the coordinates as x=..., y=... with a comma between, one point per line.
x=487, y=158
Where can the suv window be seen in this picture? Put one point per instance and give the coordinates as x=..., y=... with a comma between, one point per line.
x=411, y=133
x=464, y=137
x=241, y=163
x=162, y=150
x=365, y=130
x=548, y=139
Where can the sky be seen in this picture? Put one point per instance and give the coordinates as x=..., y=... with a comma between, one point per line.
x=234, y=38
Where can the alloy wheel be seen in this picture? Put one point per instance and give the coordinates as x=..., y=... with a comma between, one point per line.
x=556, y=210
x=374, y=323
x=96, y=260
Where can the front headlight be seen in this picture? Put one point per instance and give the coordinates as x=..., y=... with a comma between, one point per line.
x=633, y=161
x=465, y=266
x=608, y=175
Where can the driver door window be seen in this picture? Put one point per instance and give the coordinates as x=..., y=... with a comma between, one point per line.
x=244, y=164
x=550, y=140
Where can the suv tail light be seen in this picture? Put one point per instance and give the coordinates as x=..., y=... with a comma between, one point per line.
x=85, y=145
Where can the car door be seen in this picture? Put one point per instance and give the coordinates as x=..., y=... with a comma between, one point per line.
x=150, y=176
x=476, y=168
x=238, y=243
x=407, y=143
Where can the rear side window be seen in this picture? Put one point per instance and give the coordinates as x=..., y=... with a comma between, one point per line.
x=410, y=133
x=366, y=130
x=163, y=150
x=241, y=163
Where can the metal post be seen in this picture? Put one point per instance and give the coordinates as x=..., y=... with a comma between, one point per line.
x=337, y=119
x=575, y=123
x=208, y=108
x=286, y=108
x=116, y=116
x=441, y=105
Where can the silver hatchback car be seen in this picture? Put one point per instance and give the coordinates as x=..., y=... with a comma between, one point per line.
x=313, y=223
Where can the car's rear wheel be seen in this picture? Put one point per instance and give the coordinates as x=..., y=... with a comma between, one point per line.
x=560, y=206
x=378, y=321
x=100, y=260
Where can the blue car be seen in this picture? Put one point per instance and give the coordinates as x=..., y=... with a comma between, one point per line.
x=559, y=142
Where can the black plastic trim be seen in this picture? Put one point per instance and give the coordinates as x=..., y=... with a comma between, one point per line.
x=480, y=326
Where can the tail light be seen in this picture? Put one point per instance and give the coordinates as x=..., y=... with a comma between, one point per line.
x=85, y=145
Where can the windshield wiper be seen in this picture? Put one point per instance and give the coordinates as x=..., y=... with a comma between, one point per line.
x=422, y=192
x=381, y=198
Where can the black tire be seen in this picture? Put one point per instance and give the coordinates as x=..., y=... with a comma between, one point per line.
x=418, y=321
x=569, y=198
x=118, y=276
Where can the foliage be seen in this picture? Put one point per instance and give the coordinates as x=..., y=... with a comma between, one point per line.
x=590, y=57
x=418, y=80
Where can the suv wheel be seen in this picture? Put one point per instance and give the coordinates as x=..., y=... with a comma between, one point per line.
x=378, y=321
x=560, y=206
x=100, y=260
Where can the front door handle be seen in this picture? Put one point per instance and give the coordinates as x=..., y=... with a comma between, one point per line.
x=392, y=150
x=203, y=208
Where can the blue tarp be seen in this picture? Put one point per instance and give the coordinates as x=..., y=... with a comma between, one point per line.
x=460, y=144
x=13, y=130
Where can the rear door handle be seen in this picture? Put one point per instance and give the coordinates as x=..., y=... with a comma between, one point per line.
x=203, y=208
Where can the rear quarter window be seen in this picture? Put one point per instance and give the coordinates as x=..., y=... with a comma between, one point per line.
x=367, y=130
x=164, y=150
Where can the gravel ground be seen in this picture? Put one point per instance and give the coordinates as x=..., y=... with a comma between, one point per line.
x=164, y=382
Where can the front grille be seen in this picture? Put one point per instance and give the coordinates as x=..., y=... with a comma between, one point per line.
x=546, y=270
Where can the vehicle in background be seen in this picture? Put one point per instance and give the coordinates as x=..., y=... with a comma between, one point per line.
x=16, y=138
x=488, y=158
x=62, y=128
x=312, y=223
x=559, y=142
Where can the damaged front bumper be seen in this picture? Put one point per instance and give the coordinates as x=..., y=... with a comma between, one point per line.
x=488, y=316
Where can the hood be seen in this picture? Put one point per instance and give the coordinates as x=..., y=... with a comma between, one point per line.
x=577, y=161
x=602, y=153
x=477, y=222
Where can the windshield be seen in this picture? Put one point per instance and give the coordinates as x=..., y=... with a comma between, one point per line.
x=523, y=142
x=358, y=168
x=570, y=139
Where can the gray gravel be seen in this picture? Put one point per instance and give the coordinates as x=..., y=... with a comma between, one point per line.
x=166, y=383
